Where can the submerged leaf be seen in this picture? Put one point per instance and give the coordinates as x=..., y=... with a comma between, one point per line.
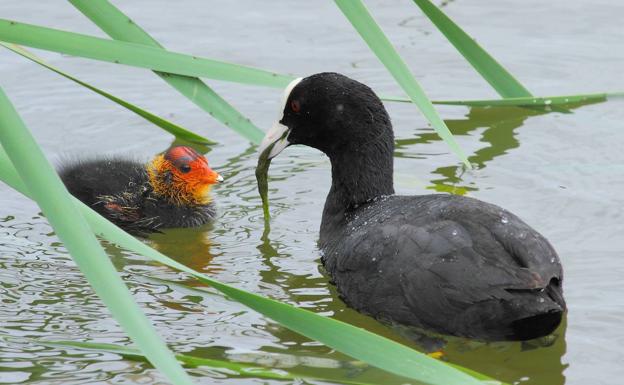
x=228, y=367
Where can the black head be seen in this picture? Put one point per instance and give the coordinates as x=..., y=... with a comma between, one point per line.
x=329, y=112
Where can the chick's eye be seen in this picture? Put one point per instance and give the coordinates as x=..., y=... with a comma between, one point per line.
x=295, y=106
x=185, y=168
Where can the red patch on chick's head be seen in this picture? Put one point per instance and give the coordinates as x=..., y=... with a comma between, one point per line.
x=183, y=175
x=191, y=166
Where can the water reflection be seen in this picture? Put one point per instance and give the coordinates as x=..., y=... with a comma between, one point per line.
x=191, y=247
x=500, y=124
x=533, y=362
x=308, y=291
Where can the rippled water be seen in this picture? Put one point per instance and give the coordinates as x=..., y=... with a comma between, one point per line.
x=561, y=172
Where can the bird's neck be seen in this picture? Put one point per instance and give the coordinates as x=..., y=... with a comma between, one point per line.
x=359, y=174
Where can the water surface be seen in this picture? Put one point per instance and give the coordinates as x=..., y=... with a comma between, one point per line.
x=563, y=173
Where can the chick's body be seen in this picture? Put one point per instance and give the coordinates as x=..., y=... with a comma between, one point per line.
x=143, y=198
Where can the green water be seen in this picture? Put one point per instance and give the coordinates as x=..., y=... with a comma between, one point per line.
x=562, y=172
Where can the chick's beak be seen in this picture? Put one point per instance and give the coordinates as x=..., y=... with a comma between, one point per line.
x=213, y=177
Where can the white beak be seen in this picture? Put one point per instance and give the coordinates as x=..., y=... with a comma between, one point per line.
x=278, y=134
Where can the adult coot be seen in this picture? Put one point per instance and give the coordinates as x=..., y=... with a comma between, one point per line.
x=172, y=190
x=447, y=263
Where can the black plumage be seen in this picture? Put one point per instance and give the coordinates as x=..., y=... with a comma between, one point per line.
x=452, y=264
x=121, y=191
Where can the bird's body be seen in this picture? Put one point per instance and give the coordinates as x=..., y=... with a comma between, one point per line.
x=452, y=264
x=127, y=192
x=447, y=263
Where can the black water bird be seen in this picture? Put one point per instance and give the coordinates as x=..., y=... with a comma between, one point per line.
x=172, y=190
x=447, y=263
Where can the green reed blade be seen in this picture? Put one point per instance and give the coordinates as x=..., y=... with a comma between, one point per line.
x=238, y=368
x=358, y=343
x=118, y=26
x=544, y=101
x=204, y=294
x=48, y=191
x=494, y=73
x=172, y=128
x=372, y=34
x=228, y=367
x=138, y=55
x=534, y=101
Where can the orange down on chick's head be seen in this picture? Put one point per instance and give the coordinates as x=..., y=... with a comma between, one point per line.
x=183, y=176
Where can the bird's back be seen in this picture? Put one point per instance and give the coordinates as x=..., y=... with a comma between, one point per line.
x=112, y=187
x=453, y=264
x=90, y=179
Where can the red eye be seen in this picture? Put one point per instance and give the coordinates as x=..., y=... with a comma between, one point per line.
x=295, y=106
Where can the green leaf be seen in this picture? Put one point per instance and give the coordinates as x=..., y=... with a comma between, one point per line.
x=532, y=101
x=355, y=342
x=48, y=191
x=372, y=34
x=229, y=368
x=172, y=128
x=177, y=285
x=118, y=26
x=494, y=73
x=240, y=369
x=544, y=101
x=138, y=55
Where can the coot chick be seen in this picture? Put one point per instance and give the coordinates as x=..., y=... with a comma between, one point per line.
x=447, y=263
x=172, y=190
